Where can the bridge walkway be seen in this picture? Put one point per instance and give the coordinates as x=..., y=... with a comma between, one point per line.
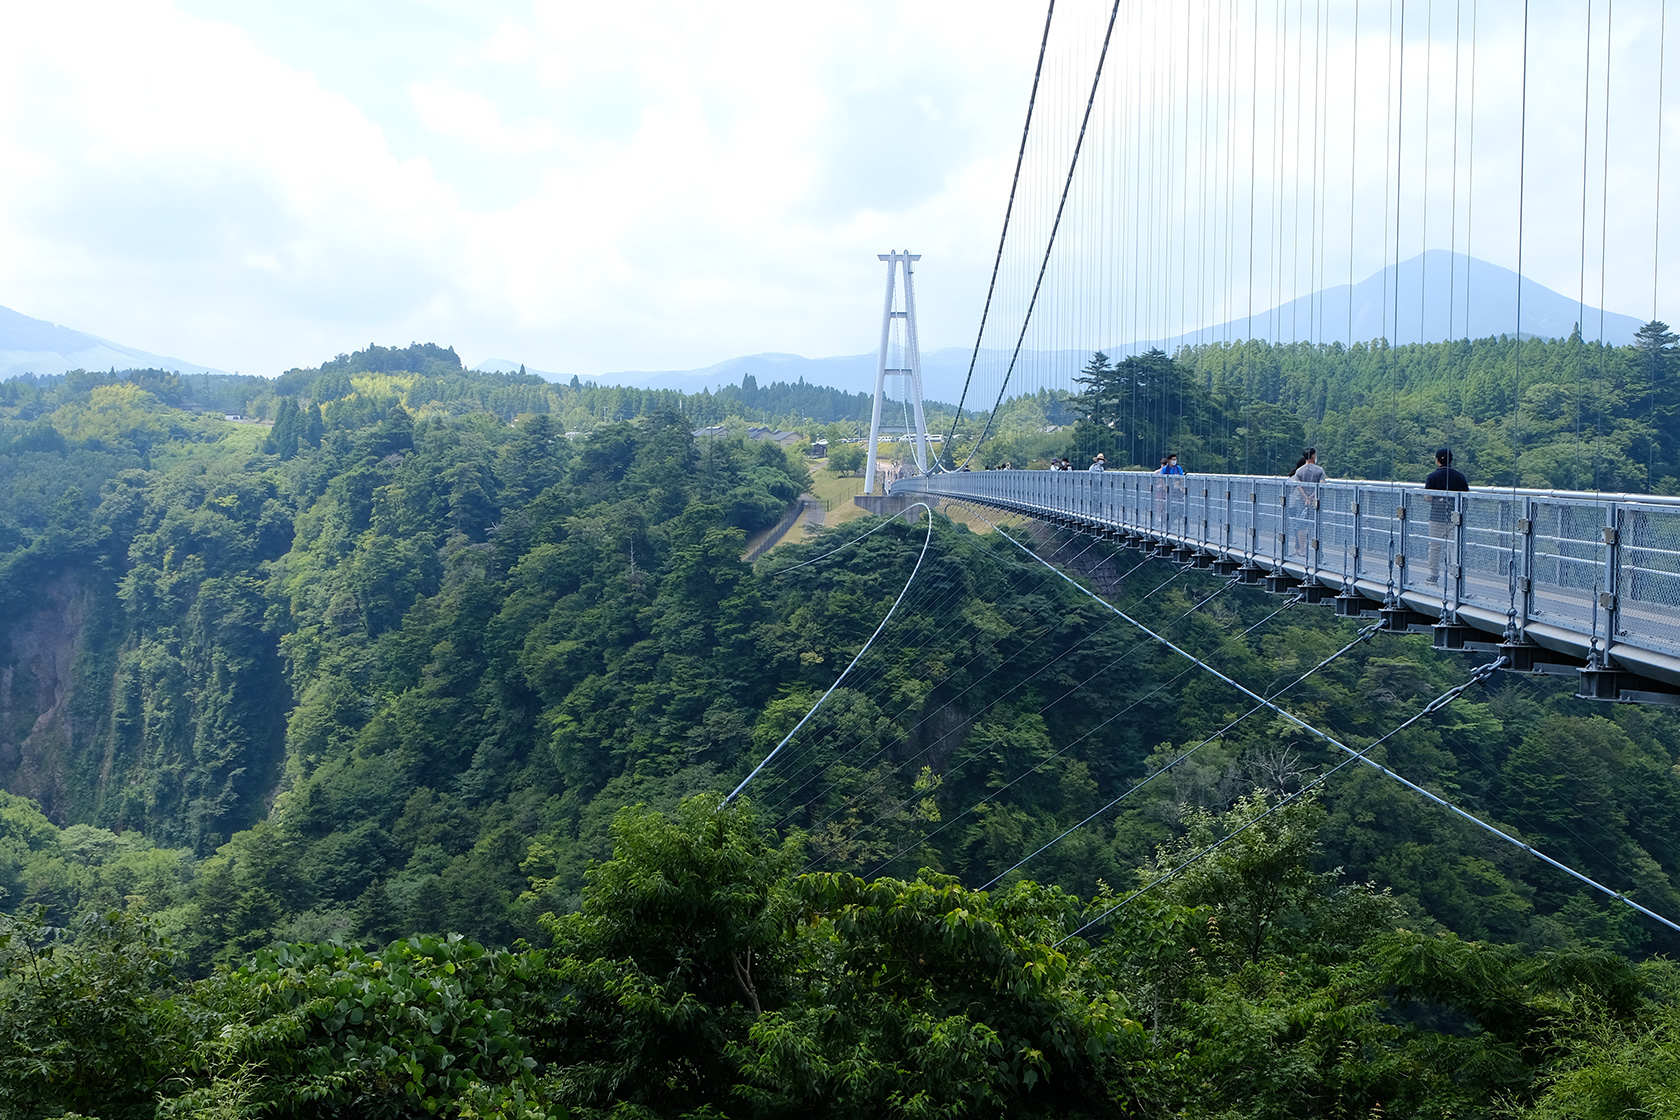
x=1563, y=581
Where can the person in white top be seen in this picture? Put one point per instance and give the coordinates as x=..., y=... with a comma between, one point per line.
x=1097, y=463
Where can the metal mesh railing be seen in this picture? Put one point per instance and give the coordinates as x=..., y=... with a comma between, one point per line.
x=1567, y=567
x=1648, y=587
x=1269, y=521
x=1594, y=565
x=1491, y=546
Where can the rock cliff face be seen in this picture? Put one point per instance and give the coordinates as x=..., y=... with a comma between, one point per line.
x=38, y=652
x=179, y=733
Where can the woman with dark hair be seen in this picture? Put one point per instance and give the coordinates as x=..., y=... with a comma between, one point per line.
x=1307, y=475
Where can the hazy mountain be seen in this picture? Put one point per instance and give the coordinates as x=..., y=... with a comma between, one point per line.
x=1430, y=292
x=1424, y=299
x=37, y=346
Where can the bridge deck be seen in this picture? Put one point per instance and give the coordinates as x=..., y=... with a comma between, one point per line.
x=1567, y=572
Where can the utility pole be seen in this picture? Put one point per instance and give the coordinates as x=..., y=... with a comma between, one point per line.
x=900, y=357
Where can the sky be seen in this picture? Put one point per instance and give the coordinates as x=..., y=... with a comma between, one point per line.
x=256, y=185
x=1241, y=153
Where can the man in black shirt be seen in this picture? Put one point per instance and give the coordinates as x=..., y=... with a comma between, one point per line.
x=1443, y=477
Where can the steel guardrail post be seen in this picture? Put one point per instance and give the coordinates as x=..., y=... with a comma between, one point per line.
x=1315, y=556
x=1456, y=573
x=1609, y=599
x=1525, y=573
x=1230, y=491
x=1357, y=529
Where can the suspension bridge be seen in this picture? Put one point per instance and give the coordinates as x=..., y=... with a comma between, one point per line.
x=1200, y=176
x=1585, y=585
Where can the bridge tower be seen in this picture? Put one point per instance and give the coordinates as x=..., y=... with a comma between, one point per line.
x=900, y=357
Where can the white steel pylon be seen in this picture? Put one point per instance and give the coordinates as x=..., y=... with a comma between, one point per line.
x=909, y=365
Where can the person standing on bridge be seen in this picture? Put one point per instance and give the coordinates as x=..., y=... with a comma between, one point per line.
x=1442, y=506
x=1098, y=463
x=1307, y=474
x=1163, y=487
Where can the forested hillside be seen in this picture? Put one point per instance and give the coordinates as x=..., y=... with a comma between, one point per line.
x=1570, y=414
x=395, y=664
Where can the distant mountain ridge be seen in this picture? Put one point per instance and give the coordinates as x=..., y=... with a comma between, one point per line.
x=1423, y=299
x=1427, y=298
x=36, y=346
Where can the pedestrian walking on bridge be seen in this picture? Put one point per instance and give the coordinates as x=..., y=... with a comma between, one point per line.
x=1307, y=474
x=1442, y=506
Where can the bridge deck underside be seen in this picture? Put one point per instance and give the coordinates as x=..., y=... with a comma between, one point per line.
x=1567, y=573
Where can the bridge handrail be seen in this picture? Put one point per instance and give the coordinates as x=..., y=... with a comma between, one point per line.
x=1520, y=491
x=1581, y=573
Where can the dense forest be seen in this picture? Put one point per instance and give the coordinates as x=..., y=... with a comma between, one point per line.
x=1568, y=414
x=368, y=762
x=105, y=410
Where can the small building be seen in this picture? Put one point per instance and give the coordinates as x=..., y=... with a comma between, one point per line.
x=785, y=439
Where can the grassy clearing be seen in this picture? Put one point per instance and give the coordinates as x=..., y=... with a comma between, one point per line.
x=837, y=492
x=235, y=441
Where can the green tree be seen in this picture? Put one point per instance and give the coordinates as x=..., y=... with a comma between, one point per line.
x=846, y=458
x=86, y=1027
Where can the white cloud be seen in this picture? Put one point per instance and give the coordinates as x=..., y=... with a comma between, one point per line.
x=654, y=184
x=175, y=183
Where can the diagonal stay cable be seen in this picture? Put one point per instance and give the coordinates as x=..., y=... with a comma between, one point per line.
x=806, y=751
x=1363, y=636
x=785, y=797
x=1008, y=211
x=1358, y=756
x=1480, y=674
x=877, y=784
x=1492, y=800
x=1013, y=582
x=881, y=781
x=885, y=619
x=882, y=524
x=902, y=852
x=958, y=767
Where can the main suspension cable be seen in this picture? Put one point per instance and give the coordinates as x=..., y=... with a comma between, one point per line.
x=1008, y=211
x=1049, y=244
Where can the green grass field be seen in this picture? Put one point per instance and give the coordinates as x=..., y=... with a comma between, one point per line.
x=837, y=492
x=234, y=441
